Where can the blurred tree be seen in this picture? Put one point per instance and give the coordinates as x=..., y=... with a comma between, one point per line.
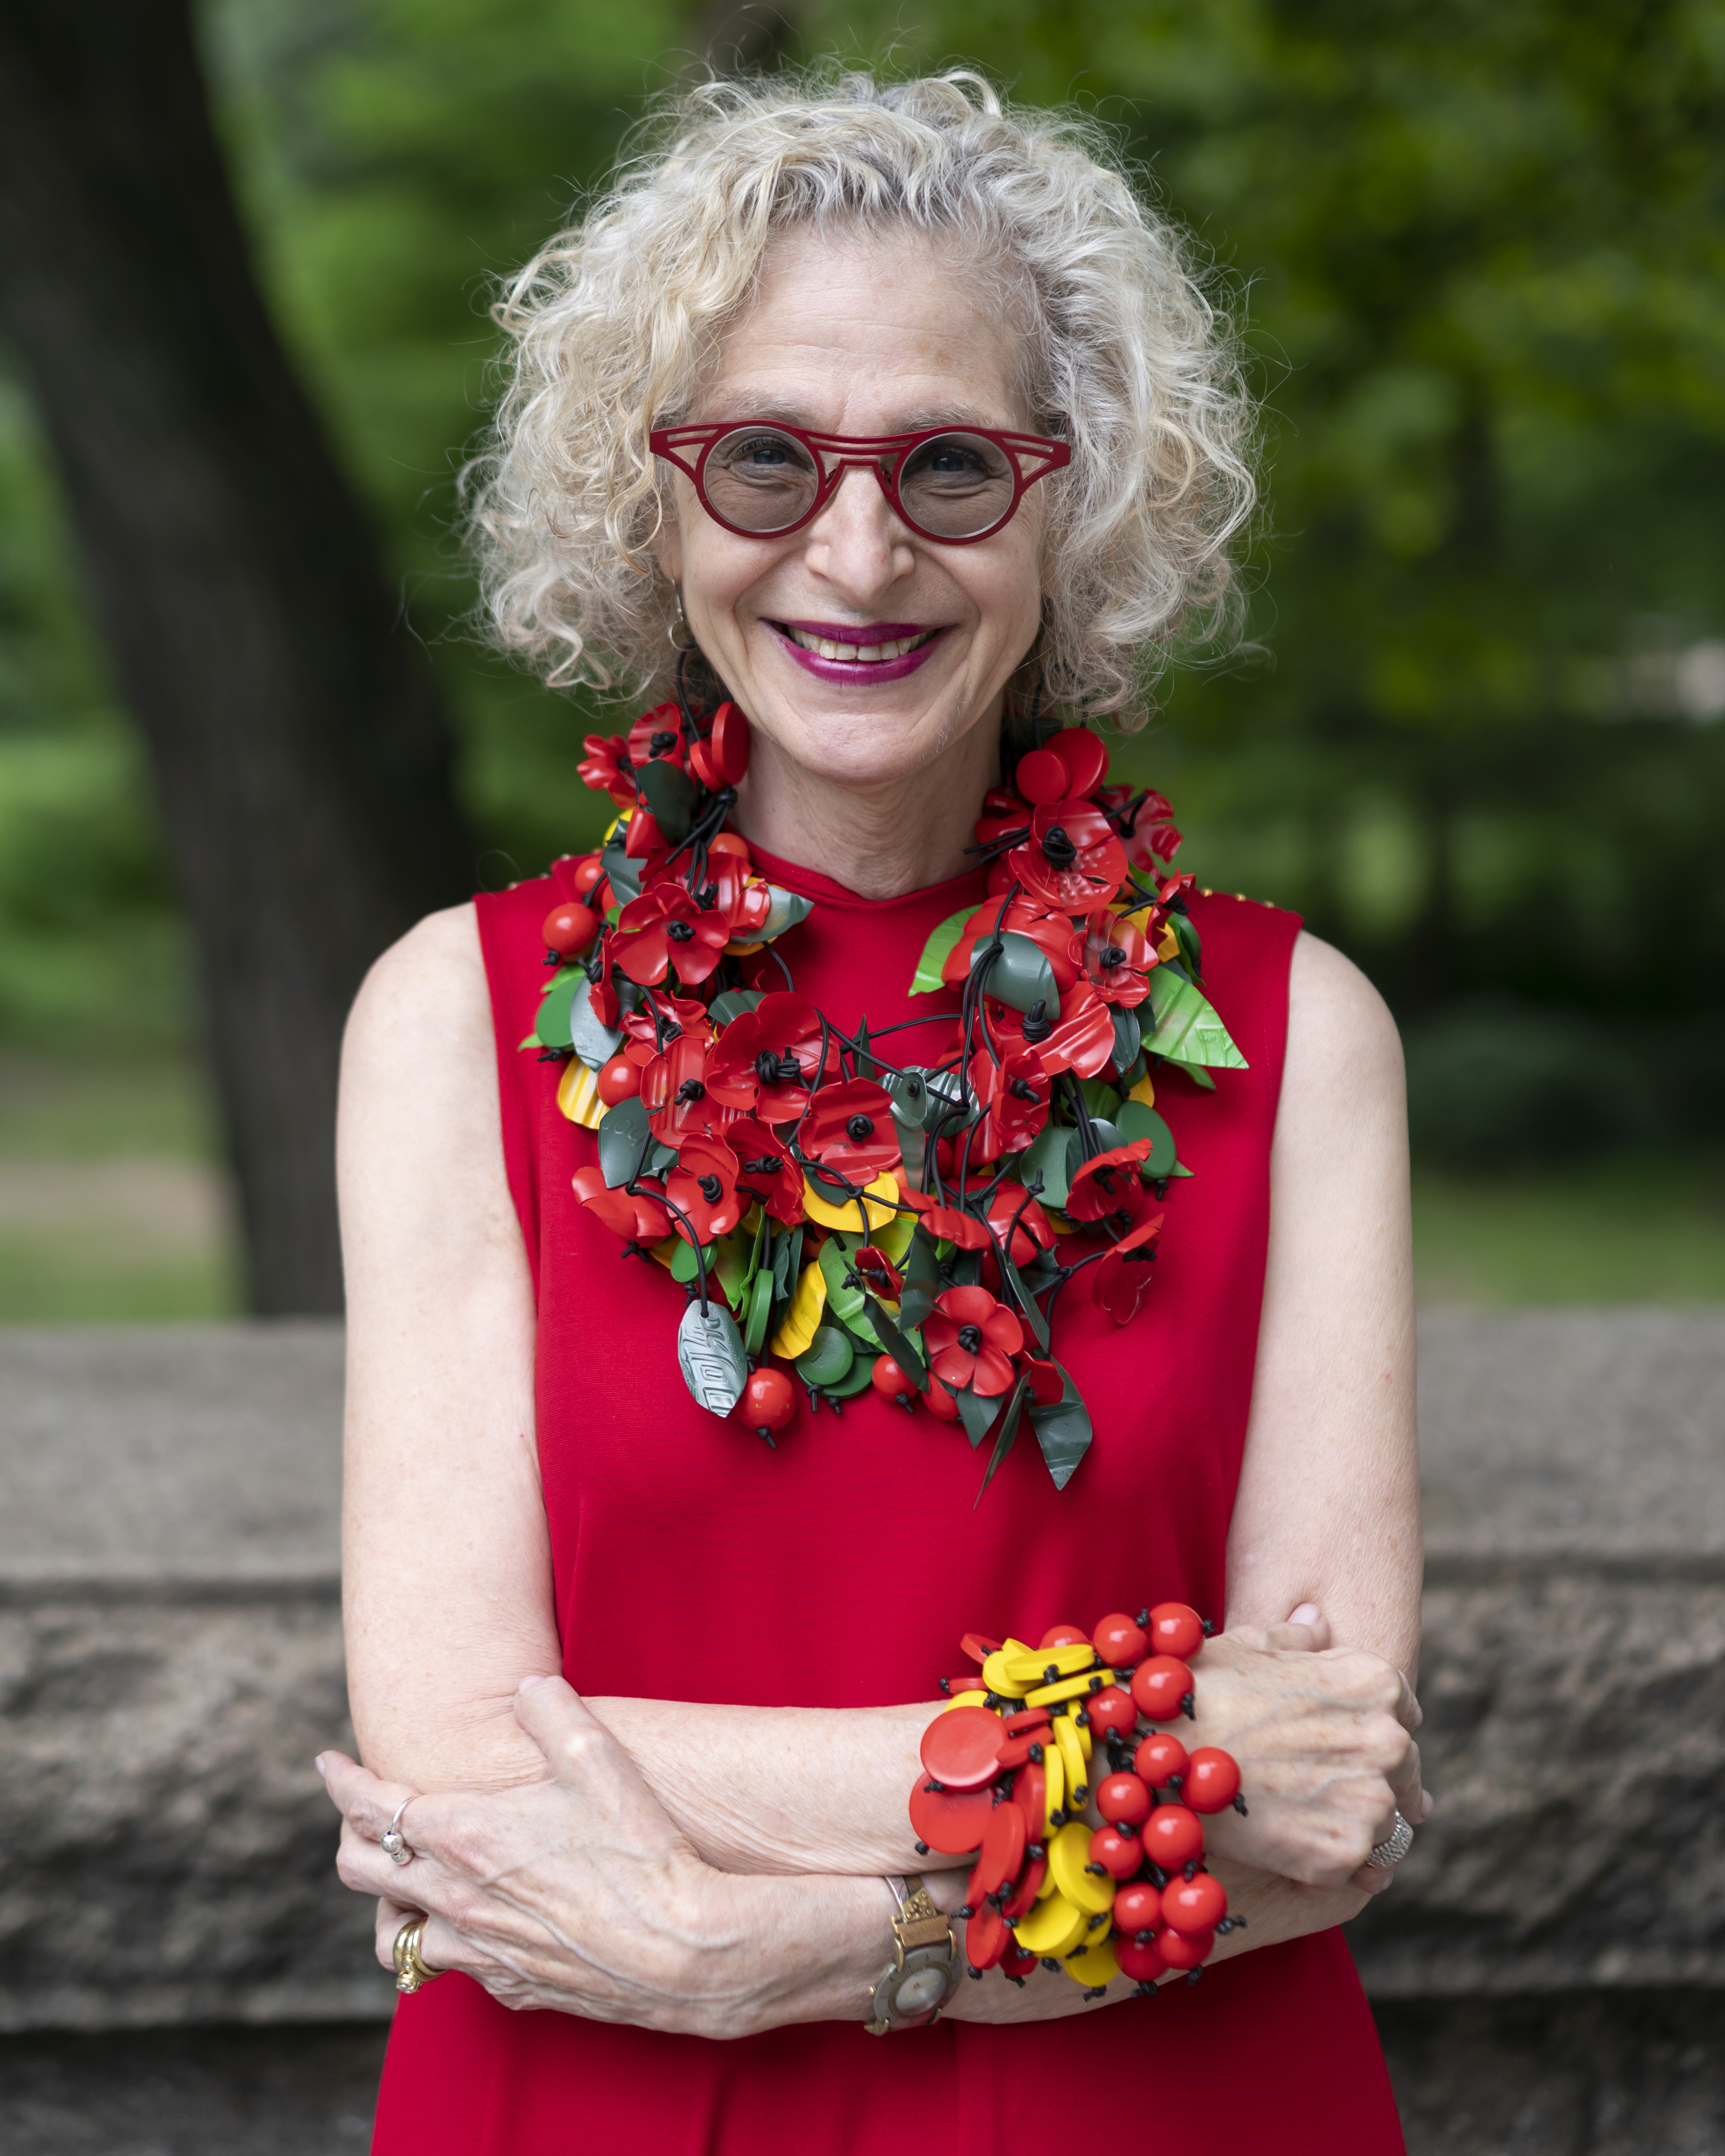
x=299, y=752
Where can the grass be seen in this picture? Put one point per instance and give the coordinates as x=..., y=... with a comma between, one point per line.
x=113, y=1211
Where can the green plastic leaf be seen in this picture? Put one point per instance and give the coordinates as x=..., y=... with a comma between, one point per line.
x=683, y=1266
x=923, y=1281
x=1026, y=1302
x=1187, y=1029
x=1063, y=1431
x=1049, y=1155
x=845, y=1298
x=1138, y=1122
x=1191, y=948
x=754, y=1337
x=976, y=1412
x=621, y=873
x=626, y=1145
x=731, y=1265
x=826, y=1359
x=909, y=1088
x=908, y=1357
x=1008, y=1431
x=592, y=1041
x=732, y=1004
x=1020, y=975
x=710, y=1349
x=670, y=792
x=926, y=978
x=1127, y=1039
x=1100, y=1098
x=529, y=1040
x=787, y=908
x=552, y=1022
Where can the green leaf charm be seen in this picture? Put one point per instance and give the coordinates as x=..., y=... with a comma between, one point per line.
x=827, y=1359
x=710, y=1349
x=1008, y=1431
x=1020, y=974
x=1049, y=1155
x=1187, y=1029
x=627, y=1147
x=1063, y=1431
x=670, y=792
x=926, y=978
x=922, y=1282
x=1138, y=1122
x=976, y=1412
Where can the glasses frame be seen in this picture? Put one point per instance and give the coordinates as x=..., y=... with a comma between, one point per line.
x=834, y=454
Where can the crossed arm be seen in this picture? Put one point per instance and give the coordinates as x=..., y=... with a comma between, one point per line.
x=718, y=1869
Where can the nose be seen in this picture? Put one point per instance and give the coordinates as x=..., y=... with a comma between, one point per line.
x=857, y=543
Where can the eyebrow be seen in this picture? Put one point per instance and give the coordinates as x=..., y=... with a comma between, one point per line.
x=918, y=421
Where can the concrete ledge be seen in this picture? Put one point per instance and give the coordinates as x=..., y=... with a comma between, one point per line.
x=170, y=1662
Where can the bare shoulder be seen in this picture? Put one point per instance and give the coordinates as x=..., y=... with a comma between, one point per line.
x=429, y=985
x=1340, y=1031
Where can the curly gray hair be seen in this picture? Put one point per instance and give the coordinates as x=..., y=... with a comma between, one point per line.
x=614, y=321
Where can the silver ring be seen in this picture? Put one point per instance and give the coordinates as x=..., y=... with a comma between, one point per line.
x=394, y=1844
x=1395, y=1846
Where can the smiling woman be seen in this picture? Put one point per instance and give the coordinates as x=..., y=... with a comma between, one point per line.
x=876, y=423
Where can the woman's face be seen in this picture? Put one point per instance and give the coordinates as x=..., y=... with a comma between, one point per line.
x=860, y=335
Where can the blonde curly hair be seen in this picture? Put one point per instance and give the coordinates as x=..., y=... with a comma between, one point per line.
x=614, y=321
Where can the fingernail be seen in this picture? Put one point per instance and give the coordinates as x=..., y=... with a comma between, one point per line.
x=1308, y=1613
x=1428, y=1806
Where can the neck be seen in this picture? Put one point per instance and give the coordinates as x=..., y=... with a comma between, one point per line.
x=878, y=841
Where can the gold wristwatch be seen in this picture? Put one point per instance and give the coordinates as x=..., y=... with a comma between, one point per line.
x=923, y=1973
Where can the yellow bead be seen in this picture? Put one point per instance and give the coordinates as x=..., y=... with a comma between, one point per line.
x=996, y=1679
x=1071, y=1758
x=1068, y=1688
x=800, y=1320
x=966, y=1699
x=1052, y=1927
x=578, y=1096
x=1053, y=1775
x=1096, y=1965
x=880, y=1199
x=1028, y=1665
x=1068, y=1854
x=1144, y=1091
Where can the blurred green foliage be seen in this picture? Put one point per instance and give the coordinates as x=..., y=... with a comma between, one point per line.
x=1476, y=252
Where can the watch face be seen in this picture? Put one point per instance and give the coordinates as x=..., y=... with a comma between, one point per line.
x=921, y=1991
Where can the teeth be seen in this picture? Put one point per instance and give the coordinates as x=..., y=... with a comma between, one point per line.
x=871, y=654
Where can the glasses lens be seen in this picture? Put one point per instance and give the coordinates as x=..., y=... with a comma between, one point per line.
x=956, y=486
x=760, y=479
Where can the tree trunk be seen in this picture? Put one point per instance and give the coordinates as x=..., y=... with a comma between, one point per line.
x=299, y=751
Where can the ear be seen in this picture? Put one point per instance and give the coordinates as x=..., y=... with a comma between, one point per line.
x=667, y=545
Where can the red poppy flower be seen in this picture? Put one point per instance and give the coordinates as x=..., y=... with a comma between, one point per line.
x=1072, y=859
x=1152, y=834
x=658, y=734
x=1048, y=1388
x=676, y=1096
x=1012, y=1208
x=1115, y=956
x=1014, y=1092
x=766, y=1169
x=684, y=1014
x=1083, y=1040
x=638, y=1219
x=664, y=927
x=878, y=1273
x=605, y=768
x=972, y=1339
x=704, y=1184
x=850, y=1129
x=1049, y=929
x=741, y=901
x=1004, y=810
x=952, y=1225
x=1107, y=1184
x=1120, y=1280
x=769, y=1058
x=645, y=843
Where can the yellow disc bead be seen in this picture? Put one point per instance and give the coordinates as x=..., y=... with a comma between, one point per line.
x=880, y=1198
x=1053, y=1926
x=1031, y=1665
x=1050, y=1695
x=1068, y=1854
x=996, y=1679
x=1095, y=1964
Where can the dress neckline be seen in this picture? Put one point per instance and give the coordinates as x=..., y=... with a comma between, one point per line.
x=810, y=883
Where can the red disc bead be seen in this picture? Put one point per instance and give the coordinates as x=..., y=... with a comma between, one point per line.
x=950, y=1820
x=1015, y=1962
x=1212, y=1779
x=1184, y=1949
x=1176, y=1630
x=618, y=1079
x=1159, y=1758
x=1172, y=1836
x=1022, y=1898
x=571, y=928
x=1158, y=1686
x=1142, y=1963
x=728, y=744
x=962, y=1748
x=985, y=1937
x=1029, y=1793
x=1119, y=1640
x=1194, y=1906
x=1063, y=1636
x=1042, y=777
x=892, y=1383
x=1138, y=1908
x=1122, y=1800
x=1118, y=1851
x=1085, y=757
x=1003, y=1851
x=768, y=1400
x=1112, y=1709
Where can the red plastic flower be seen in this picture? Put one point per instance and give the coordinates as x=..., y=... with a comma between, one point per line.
x=638, y=1219
x=703, y=1183
x=605, y=768
x=769, y=1058
x=951, y=1223
x=1049, y=929
x=1072, y=859
x=850, y=1130
x=972, y=1339
x=1116, y=957
x=1109, y=1183
x=878, y=1273
x=1152, y=838
x=1014, y=1092
x=766, y=1169
x=676, y=1096
x=1122, y=1278
x=742, y=901
x=1012, y=1210
x=1004, y=811
x=676, y=1014
x=658, y=734
x=1083, y=1040
x=664, y=927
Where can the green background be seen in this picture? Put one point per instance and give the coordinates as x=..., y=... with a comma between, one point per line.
x=1478, y=253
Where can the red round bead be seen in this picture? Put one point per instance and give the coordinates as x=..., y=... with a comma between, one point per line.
x=1118, y=1851
x=1194, y=1906
x=1111, y=1708
x=962, y=1748
x=941, y=1403
x=1172, y=1836
x=1042, y=777
x=1175, y=1629
x=769, y=1400
x=618, y=1079
x=1138, y=1908
x=1158, y=1686
x=1212, y=1779
x=1063, y=1636
x=1159, y=1758
x=1142, y=1963
x=1184, y=1949
x=1119, y=1640
x=1122, y=1800
x=586, y=874
x=950, y=1820
x=571, y=928
x=892, y=1383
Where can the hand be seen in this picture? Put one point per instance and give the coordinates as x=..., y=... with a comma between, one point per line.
x=1324, y=1736
x=576, y=1892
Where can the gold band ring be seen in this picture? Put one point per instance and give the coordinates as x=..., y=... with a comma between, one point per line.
x=411, y=1969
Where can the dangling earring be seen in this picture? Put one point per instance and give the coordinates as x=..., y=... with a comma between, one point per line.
x=687, y=642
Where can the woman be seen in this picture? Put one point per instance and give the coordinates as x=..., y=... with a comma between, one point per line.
x=641, y=1698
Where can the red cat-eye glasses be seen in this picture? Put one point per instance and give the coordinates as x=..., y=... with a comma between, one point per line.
x=763, y=479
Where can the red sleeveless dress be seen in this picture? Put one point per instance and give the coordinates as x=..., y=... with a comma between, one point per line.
x=852, y=1559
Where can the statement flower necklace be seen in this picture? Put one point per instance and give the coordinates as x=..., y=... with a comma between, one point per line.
x=907, y=1226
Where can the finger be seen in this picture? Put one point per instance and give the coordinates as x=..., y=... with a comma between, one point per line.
x=1373, y=1878
x=1407, y=1787
x=1298, y=1635
x=581, y=1752
x=391, y=1916
x=366, y=1803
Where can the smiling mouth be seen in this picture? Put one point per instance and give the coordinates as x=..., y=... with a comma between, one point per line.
x=859, y=654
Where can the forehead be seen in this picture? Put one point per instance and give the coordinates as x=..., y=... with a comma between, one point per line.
x=868, y=333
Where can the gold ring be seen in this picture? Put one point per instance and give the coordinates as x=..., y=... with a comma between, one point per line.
x=411, y=1969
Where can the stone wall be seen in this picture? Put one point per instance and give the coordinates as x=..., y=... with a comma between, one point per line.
x=170, y=1662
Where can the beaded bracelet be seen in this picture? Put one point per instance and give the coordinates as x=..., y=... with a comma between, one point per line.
x=1008, y=1772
